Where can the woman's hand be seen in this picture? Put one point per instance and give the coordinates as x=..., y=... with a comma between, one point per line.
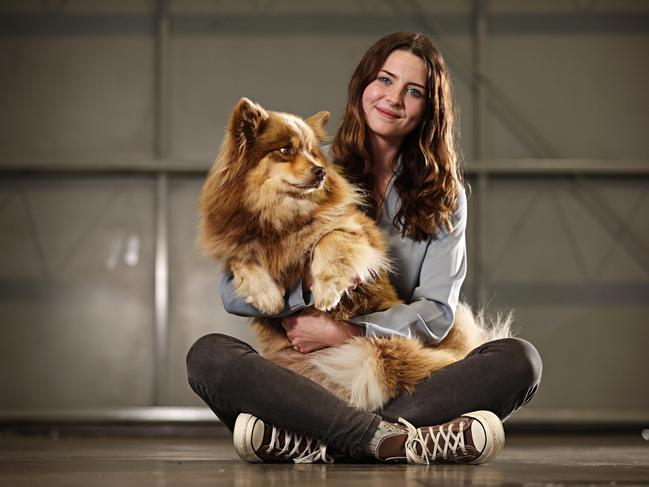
x=311, y=330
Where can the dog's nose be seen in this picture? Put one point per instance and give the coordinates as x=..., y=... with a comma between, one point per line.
x=318, y=171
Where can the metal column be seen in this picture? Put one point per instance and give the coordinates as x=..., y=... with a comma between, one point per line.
x=161, y=269
x=479, y=137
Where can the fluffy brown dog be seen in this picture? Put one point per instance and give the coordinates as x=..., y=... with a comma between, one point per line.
x=272, y=207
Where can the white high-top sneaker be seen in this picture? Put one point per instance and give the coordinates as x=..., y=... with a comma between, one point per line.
x=474, y=437
x=259, y=442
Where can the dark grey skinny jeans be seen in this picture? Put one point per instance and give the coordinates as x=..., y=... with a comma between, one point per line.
x=231, y=377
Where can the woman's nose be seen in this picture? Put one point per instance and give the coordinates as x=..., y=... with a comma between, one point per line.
x=394, y=95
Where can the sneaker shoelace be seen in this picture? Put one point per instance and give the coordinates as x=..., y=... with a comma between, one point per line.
x=313, y=451
x=441, y=442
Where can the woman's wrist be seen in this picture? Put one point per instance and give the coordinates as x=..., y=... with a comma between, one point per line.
x=353, y=330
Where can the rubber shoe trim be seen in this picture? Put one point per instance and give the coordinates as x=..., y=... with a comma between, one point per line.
x=242, y=438
x=495, y=431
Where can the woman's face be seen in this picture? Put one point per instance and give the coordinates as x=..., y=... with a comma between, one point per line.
x=394, y=103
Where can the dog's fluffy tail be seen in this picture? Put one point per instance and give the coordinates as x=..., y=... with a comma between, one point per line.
x=490, y=327
x=352, y=367
x=367, y=372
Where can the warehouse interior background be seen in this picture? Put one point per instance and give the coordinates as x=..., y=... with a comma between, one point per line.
x=111, y=112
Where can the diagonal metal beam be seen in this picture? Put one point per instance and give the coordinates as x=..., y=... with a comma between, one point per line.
x=609, y=218
x=568, y=231
x=4, y=204
x=34, y=231
x=73, y=249
x=516, y=229
x=616, y=242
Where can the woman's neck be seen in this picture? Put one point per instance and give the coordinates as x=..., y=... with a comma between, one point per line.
x=384, y=154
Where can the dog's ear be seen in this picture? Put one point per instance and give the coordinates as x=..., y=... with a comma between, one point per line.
x=248, y=118
x=246, y=121
x=318, y=122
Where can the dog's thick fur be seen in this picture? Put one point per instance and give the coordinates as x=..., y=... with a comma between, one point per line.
x=273, y=205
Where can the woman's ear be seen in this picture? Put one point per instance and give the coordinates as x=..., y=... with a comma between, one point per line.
x=247, y=120
x=318, y=122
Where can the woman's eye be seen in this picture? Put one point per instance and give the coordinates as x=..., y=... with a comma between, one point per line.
x=385, y=80
x=415, y=92
x=287, y=150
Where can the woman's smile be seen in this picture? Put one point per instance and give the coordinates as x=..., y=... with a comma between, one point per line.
x=389, y=114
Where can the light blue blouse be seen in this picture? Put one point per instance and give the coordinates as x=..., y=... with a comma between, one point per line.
x=428, y=276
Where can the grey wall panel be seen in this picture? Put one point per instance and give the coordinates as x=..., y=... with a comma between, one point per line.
x=578, y=292
x=584, y=92
x=569, y=240
x=196, y=308
x=75, y=292
x=298, y=72
x=301, y=75
x=595, y=355
x=82, y=98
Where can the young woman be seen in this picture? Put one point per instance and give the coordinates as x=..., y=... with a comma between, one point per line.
x=396, y=141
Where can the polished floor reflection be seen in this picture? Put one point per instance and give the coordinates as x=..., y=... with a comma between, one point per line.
x=527, y=460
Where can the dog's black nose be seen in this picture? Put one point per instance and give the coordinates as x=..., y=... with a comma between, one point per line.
x=318, y=171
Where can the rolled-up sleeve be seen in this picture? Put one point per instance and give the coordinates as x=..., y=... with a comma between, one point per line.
x=431, y=311
x=294, y=300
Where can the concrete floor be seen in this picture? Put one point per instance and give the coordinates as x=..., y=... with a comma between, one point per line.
x=527, y=460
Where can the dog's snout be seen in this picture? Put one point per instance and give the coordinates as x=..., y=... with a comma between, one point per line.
x=318, y=171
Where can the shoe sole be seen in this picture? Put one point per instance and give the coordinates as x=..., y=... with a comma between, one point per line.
x=495, y=434
x=242, y=438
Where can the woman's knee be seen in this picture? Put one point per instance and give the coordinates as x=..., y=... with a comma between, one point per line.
x=524, y=361
x=212, y=354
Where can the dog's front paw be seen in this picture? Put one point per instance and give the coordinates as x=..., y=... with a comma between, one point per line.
x=268, y=300
x=253, y=283
x=326, y=295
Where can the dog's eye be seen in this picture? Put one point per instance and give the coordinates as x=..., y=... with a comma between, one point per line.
x=287, y=150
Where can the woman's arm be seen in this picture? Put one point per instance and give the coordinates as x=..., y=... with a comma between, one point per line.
x=431, y=312
x=295, y=299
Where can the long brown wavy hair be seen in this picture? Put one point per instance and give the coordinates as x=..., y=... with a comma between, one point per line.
x=429, y=180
